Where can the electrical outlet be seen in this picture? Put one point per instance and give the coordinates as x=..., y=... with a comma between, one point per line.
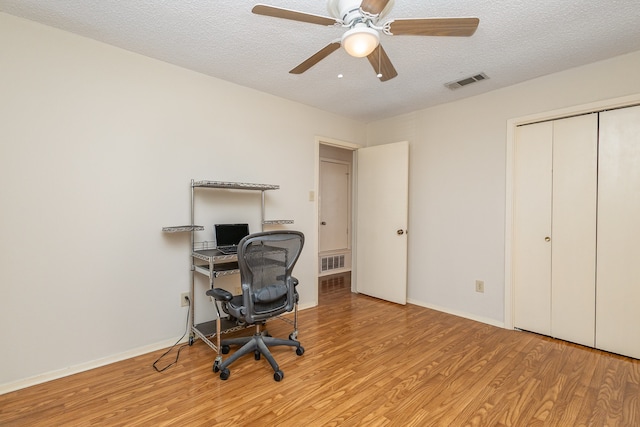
x=480, y=286
x=184, y=299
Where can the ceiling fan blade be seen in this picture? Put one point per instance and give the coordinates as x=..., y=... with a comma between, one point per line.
x=374, y=7
x=316, y=57
x=382, y=64
x=457, y=27
x=278, y=12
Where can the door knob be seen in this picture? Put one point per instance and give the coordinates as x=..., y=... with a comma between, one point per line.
x=323, y=223
x=400, y=232
x=547, y=239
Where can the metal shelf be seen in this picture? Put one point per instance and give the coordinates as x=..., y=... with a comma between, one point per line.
x=219, y=269
x=234, y=185
x=277, y=221
x=206, y=251
x=208, y=261
x=182, y=228
x=206, y=331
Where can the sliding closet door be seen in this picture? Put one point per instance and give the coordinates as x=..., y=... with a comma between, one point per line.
x=573, y=235
x=618, y=273
x=532, y=228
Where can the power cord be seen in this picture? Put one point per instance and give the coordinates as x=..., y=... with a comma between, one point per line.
x=173, y=346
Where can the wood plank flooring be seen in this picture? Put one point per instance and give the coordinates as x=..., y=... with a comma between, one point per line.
x=367, y=363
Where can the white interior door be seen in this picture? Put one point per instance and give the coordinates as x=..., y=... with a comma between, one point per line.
x=618, y=272
x=334, y=206
x=554, y=228
x=381, y=221
x=532, y=228
x=573, y=238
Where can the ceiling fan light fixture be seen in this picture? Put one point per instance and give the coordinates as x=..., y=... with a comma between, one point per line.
x=360, y=41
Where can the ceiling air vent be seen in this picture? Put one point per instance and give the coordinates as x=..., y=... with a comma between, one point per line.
x=466, y=81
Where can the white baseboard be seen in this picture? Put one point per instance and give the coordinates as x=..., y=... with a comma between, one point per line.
x=54, y=375
x=307, y=305
x=469, y=316
x=336, y=271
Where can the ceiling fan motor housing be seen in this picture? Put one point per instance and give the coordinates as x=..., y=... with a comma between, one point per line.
x=348, y=11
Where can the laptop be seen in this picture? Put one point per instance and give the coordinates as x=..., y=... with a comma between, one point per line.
x=228, y=236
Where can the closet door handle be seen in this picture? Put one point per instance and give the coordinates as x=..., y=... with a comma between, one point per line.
x=547, y=239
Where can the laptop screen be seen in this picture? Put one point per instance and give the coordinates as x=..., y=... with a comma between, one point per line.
x=230, y=234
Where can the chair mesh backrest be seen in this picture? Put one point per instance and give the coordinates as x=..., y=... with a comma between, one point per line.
x=266, y=261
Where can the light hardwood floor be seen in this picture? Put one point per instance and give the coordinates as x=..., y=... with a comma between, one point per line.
x=367, y=362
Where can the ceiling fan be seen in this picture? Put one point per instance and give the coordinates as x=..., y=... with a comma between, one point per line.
x=362, y=18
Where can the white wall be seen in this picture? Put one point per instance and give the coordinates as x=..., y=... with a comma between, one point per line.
x=97, y=149
x=457, y=181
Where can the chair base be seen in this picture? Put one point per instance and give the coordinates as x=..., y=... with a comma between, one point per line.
x=259, y=345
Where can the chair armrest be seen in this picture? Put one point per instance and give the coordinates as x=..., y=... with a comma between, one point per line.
x=220, y=294
x=293, y=279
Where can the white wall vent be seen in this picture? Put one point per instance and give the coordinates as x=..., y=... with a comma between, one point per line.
x=466, y=81
x=331, y=263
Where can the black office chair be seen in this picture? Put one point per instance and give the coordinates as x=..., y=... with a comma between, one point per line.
x=266, y=261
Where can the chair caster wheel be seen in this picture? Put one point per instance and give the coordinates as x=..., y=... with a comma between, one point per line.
x=278, y=375
x=300, y=351
x=224, y=374
x=216, y=366
x=225, y=349
x=256, y=355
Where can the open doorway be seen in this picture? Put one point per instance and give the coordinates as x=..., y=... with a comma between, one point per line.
x=377, y=236
x=335, y=222
x=378, y=218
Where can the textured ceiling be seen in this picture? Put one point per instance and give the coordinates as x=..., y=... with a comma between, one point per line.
x=516, y=40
